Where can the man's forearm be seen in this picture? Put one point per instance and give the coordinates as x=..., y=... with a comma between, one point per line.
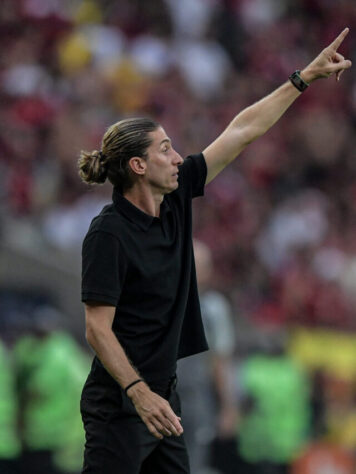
x=261, y=116
x=112, y=355
x=154, y=410
x=247, y=126
x=255, y=120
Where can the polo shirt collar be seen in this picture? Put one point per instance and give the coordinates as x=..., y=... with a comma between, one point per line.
x=133, y=213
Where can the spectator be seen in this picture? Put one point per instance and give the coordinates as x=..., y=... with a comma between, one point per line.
x=205, y=381
x=274, y=423
x=51, y=370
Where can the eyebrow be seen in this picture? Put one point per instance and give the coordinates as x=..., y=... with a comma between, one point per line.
x=168, y=140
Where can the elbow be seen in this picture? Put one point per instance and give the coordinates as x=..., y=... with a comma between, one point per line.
x=246, y=133
x=95, y=334
x=90, y=335
x=251, y=134
x=243, y=136
x=98, y=324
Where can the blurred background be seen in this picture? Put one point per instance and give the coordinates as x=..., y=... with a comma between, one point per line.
x=276, y=232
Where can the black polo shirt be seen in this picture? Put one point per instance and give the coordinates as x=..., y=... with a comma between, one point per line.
x=144, y=266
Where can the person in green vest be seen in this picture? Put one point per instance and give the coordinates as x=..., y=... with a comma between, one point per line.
x=9, y=441
x=51, y=370
x=276, y=421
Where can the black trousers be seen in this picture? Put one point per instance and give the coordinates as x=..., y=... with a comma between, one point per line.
x=9, y=466
x=37, y=462
x=117, y=440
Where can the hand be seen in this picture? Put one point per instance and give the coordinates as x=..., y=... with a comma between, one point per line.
x=155, y=412
x=328, y=62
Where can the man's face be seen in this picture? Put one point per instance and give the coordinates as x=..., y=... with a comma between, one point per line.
x=162, y=163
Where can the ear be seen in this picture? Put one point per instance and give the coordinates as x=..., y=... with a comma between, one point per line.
x=138, y=165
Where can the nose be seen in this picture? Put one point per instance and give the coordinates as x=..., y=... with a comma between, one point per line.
x=178, y=160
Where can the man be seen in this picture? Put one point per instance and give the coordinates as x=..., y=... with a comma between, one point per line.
x=206, y=385
x=139, y=283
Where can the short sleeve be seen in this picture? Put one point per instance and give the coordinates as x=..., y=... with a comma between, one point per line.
x=192, y=175
x=103, y=268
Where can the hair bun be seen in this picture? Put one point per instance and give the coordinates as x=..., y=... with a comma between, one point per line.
x=93, y=167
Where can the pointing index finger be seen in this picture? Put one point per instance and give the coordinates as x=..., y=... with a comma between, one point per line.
x=339, y=39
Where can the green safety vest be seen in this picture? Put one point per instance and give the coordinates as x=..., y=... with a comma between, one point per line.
x=277, y=425
x=51, y=373
x=9, y=441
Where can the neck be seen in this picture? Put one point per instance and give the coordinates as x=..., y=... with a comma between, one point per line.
x=145, y=199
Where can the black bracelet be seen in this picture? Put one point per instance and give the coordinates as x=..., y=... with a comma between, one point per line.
x=132, y=384
x=298, y=82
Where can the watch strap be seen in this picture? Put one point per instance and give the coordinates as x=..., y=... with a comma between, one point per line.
x=298, y=81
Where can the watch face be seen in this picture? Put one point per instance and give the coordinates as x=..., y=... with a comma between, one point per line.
x=298, y=82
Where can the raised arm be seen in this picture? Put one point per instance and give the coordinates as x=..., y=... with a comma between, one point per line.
x=255, y=120
x=154, y=410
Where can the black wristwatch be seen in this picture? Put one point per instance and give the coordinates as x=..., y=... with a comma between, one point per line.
x=298, y=81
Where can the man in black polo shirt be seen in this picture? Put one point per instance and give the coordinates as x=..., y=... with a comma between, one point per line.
x=139, y=284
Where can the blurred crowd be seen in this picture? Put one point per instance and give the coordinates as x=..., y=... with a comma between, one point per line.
x=280, y=221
